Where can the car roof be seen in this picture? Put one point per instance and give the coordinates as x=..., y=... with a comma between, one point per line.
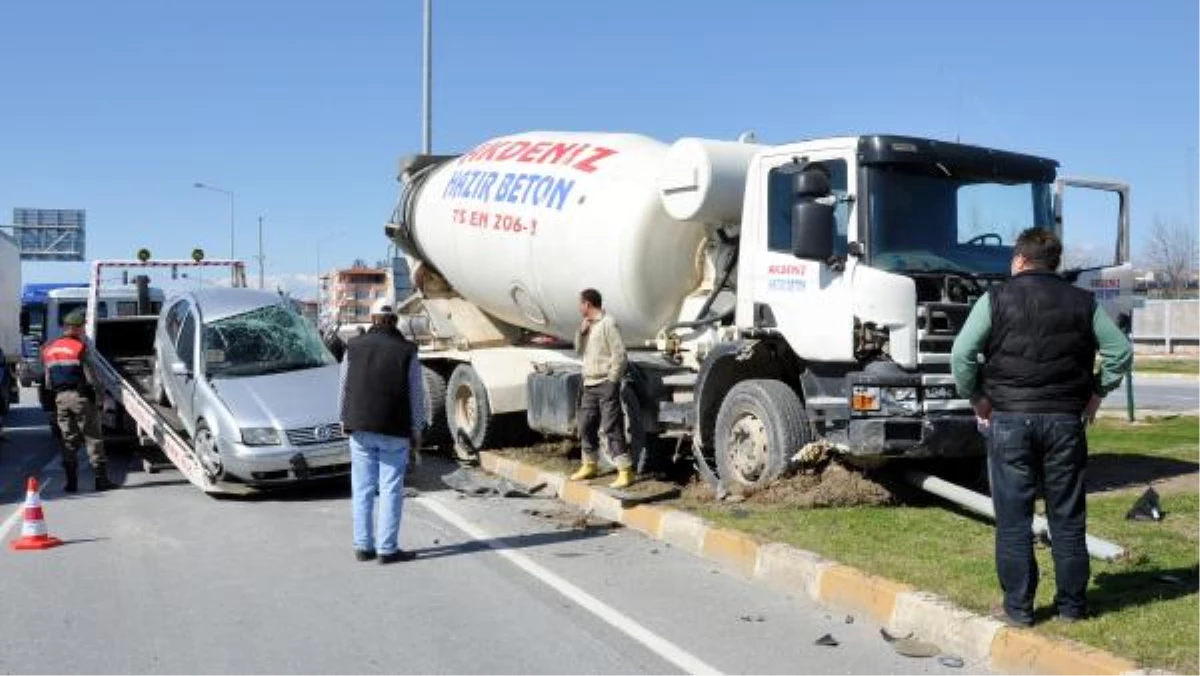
x=220, y=303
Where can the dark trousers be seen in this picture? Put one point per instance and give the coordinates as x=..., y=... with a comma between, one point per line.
x=1028, y=452
x=600, y=412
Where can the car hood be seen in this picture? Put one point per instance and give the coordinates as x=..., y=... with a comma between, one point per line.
x=282, y=400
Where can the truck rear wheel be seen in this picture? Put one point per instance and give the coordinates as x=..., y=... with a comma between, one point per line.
x=468, y=413
x=760, y=425
x=437, y=435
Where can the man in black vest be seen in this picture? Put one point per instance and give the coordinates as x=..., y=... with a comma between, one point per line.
x=1039, y=336
x=383, y=411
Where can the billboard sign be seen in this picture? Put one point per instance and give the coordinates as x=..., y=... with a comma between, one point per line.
x=50, y=234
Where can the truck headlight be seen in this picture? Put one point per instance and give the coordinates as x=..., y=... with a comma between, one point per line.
x=901, y=399
x=260, y=436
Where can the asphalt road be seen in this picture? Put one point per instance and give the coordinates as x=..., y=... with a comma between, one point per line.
x=1177, y=394
x=158, y=577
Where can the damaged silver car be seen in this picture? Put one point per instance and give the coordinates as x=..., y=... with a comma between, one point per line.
x=252, y=384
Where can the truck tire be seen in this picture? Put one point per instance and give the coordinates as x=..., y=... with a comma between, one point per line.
x=437, y=434
x=760, y=425
x=468, y=414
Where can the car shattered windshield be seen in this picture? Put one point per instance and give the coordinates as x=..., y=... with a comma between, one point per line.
x=271, y=339
x=936, y=221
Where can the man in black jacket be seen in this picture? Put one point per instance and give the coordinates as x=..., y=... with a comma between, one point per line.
x=383, y=411
x=1039, y=336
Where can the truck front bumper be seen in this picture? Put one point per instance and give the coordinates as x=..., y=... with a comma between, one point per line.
x=273, y=465
x=943, y=436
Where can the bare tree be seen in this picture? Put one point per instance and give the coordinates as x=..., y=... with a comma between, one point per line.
x=1173, y=251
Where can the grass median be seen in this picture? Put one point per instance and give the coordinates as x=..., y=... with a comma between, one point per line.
x=1144, y=607
x=1166, y=365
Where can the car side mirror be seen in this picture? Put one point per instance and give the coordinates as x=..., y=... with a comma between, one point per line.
x=813, y=222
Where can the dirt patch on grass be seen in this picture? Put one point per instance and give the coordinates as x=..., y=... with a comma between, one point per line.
x=833, y=485
x=552, y=456
x=830, y=485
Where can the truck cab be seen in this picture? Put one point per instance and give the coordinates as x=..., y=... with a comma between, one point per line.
x=860, y=259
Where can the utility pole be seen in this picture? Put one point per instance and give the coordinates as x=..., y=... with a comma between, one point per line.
x=261, y=257
x=427, y=83
x=1191, y=181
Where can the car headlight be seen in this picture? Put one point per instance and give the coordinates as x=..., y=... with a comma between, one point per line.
x=260, y=436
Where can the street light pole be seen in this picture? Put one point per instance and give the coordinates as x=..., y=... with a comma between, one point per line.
x=321, y=241
x=229, y=194
x=261, y=257
x=427, y=83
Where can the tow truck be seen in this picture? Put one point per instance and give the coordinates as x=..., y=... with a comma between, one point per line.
x=123, y=357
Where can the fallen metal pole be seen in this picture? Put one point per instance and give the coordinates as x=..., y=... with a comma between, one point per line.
x=982, y=504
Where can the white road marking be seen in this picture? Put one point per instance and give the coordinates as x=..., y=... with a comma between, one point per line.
x=615, y=618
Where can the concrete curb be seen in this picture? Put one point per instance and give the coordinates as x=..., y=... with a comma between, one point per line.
x=795, y=571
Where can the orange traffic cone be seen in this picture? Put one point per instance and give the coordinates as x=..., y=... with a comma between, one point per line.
x=33, y=528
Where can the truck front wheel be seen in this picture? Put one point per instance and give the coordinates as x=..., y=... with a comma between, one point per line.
x=761, y=424
x=468, y=412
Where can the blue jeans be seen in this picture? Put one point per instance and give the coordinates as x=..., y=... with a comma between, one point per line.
x=1028, y=452
x=377, y=461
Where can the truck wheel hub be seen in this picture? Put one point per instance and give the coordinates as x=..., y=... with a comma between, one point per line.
x=748, y=447
x=464, y=401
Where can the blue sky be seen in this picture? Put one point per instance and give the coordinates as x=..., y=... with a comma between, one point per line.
x=302, y=108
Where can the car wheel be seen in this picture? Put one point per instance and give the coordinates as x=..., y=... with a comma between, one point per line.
x=205, y=444
x=760, y=425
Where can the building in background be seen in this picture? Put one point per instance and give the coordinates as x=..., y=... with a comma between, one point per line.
x=347, y=293
x=309, y=309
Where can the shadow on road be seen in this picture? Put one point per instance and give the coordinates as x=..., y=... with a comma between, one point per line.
x=513, y=542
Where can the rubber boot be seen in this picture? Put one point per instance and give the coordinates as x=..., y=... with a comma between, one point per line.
x=586, y=471
x=102, y=482
x=624, y=478
x=72, y=472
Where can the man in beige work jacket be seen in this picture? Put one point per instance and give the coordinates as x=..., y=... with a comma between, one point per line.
x=599, y=341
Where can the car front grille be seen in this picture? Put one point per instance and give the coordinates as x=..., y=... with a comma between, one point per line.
x=320, y=434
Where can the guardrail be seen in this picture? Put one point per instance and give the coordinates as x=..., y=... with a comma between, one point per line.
x=1168, y=324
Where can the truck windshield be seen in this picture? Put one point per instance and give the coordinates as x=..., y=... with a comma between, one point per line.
x=270, y=339
x=37, y=319
x=923, y=220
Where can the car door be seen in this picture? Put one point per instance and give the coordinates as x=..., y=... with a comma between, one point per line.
x=183, y=369
x=164, y=345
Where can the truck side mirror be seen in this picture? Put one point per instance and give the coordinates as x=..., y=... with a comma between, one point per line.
x=813, y=222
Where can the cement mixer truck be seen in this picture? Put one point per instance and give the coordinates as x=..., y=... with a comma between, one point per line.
x=770, y=296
